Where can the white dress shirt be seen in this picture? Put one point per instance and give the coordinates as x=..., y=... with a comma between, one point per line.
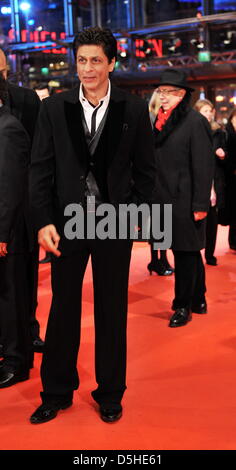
x=89, y=108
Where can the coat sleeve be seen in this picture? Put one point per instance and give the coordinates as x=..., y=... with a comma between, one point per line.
x=202, y=164
x=144, y=163
x=42, y=171
x=14, y=161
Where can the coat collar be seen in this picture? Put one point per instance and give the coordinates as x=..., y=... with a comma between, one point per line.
x=112, y=129
x=175, y=119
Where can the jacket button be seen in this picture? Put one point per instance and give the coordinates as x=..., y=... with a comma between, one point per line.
x=91, y=163
x=82, y=177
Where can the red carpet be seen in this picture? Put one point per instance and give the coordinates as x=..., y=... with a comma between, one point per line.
x=181, y=382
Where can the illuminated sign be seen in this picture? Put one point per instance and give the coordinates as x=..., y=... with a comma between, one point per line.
x=37, y=36
x=40, y=36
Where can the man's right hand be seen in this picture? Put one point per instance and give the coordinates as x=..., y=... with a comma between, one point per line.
x=49, y=239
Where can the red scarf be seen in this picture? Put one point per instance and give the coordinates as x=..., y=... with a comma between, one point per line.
x=163, y=116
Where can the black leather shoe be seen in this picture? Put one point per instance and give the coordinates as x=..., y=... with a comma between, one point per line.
x=180, y=317
x=211, y=261
x=159, y=268
x=9, y=377
x=110, y=415
x=200, y=308
x=47, y=411
x=38, y=345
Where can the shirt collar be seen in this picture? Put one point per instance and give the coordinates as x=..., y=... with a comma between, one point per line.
x=84, y=100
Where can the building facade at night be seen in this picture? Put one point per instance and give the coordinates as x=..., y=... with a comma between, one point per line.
x=199, y=36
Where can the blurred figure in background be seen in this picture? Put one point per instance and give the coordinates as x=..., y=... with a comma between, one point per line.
x=206, y=108
x=24, y=104
x=159, y=262
x=14, y=247
x=231, y=178
x=43, y=91
x=184, y=176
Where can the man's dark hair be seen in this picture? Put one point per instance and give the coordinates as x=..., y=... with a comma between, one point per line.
x=99, y=37
x=41, y=86
x=3, y=88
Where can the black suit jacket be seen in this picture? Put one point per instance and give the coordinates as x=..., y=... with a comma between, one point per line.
x=24, y=104
x=60, y=155
x=14, y=163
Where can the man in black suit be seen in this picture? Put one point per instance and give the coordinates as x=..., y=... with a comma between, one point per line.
x=184, y=177
x=92, y=141
x=14, y=246
x=24, y=104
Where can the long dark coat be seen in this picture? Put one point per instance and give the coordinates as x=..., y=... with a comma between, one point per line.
x=124, y=159
x=185, y=167
x=14, y=163
x=24, y=104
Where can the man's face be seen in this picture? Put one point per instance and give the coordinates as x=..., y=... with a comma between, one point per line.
x=170, y=96
x=93, y=67
x=3, y=64
x=42, y=93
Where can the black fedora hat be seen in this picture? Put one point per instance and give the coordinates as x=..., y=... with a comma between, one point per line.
x=176, y=78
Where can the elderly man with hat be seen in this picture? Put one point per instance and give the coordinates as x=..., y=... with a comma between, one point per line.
x=184, y=177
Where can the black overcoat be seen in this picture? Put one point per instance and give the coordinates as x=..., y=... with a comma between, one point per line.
x=24, y=104
x=14, y=164
x=185, y=167
x=60, y=159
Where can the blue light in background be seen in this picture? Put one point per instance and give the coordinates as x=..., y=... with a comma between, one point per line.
x=31, y=22
x=25, y=6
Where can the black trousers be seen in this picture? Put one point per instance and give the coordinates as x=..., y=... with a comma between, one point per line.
x=211, y=232
x=190, y=286
x=14, y=311
x=232, y=235
x=110, y=266
x=32, y=267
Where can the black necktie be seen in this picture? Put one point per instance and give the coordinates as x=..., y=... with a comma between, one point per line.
x=93, y=122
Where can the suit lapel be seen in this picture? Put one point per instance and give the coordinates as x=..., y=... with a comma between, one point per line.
x=115, y=122
x=73, y=110
x=112, y=131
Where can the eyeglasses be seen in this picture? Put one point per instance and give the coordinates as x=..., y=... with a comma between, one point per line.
x=166, y=92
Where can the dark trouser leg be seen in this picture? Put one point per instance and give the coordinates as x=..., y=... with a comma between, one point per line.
x=110, y=262
x=232, y=235
x=59, y=371
x=211, y=232
x=154, y=253
x=33, y=288
x=14, y=311
x=189, y=279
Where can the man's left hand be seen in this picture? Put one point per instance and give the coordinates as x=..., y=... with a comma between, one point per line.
x=199, y=215
x=3, y=249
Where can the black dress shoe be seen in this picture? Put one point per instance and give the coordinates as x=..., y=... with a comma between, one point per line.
x=180, y=317
x=109, y=414
x=159, y=268
x=212, y=261
x=38, y=345
x=9, y=377
x=47, y=411
x=200, y=308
